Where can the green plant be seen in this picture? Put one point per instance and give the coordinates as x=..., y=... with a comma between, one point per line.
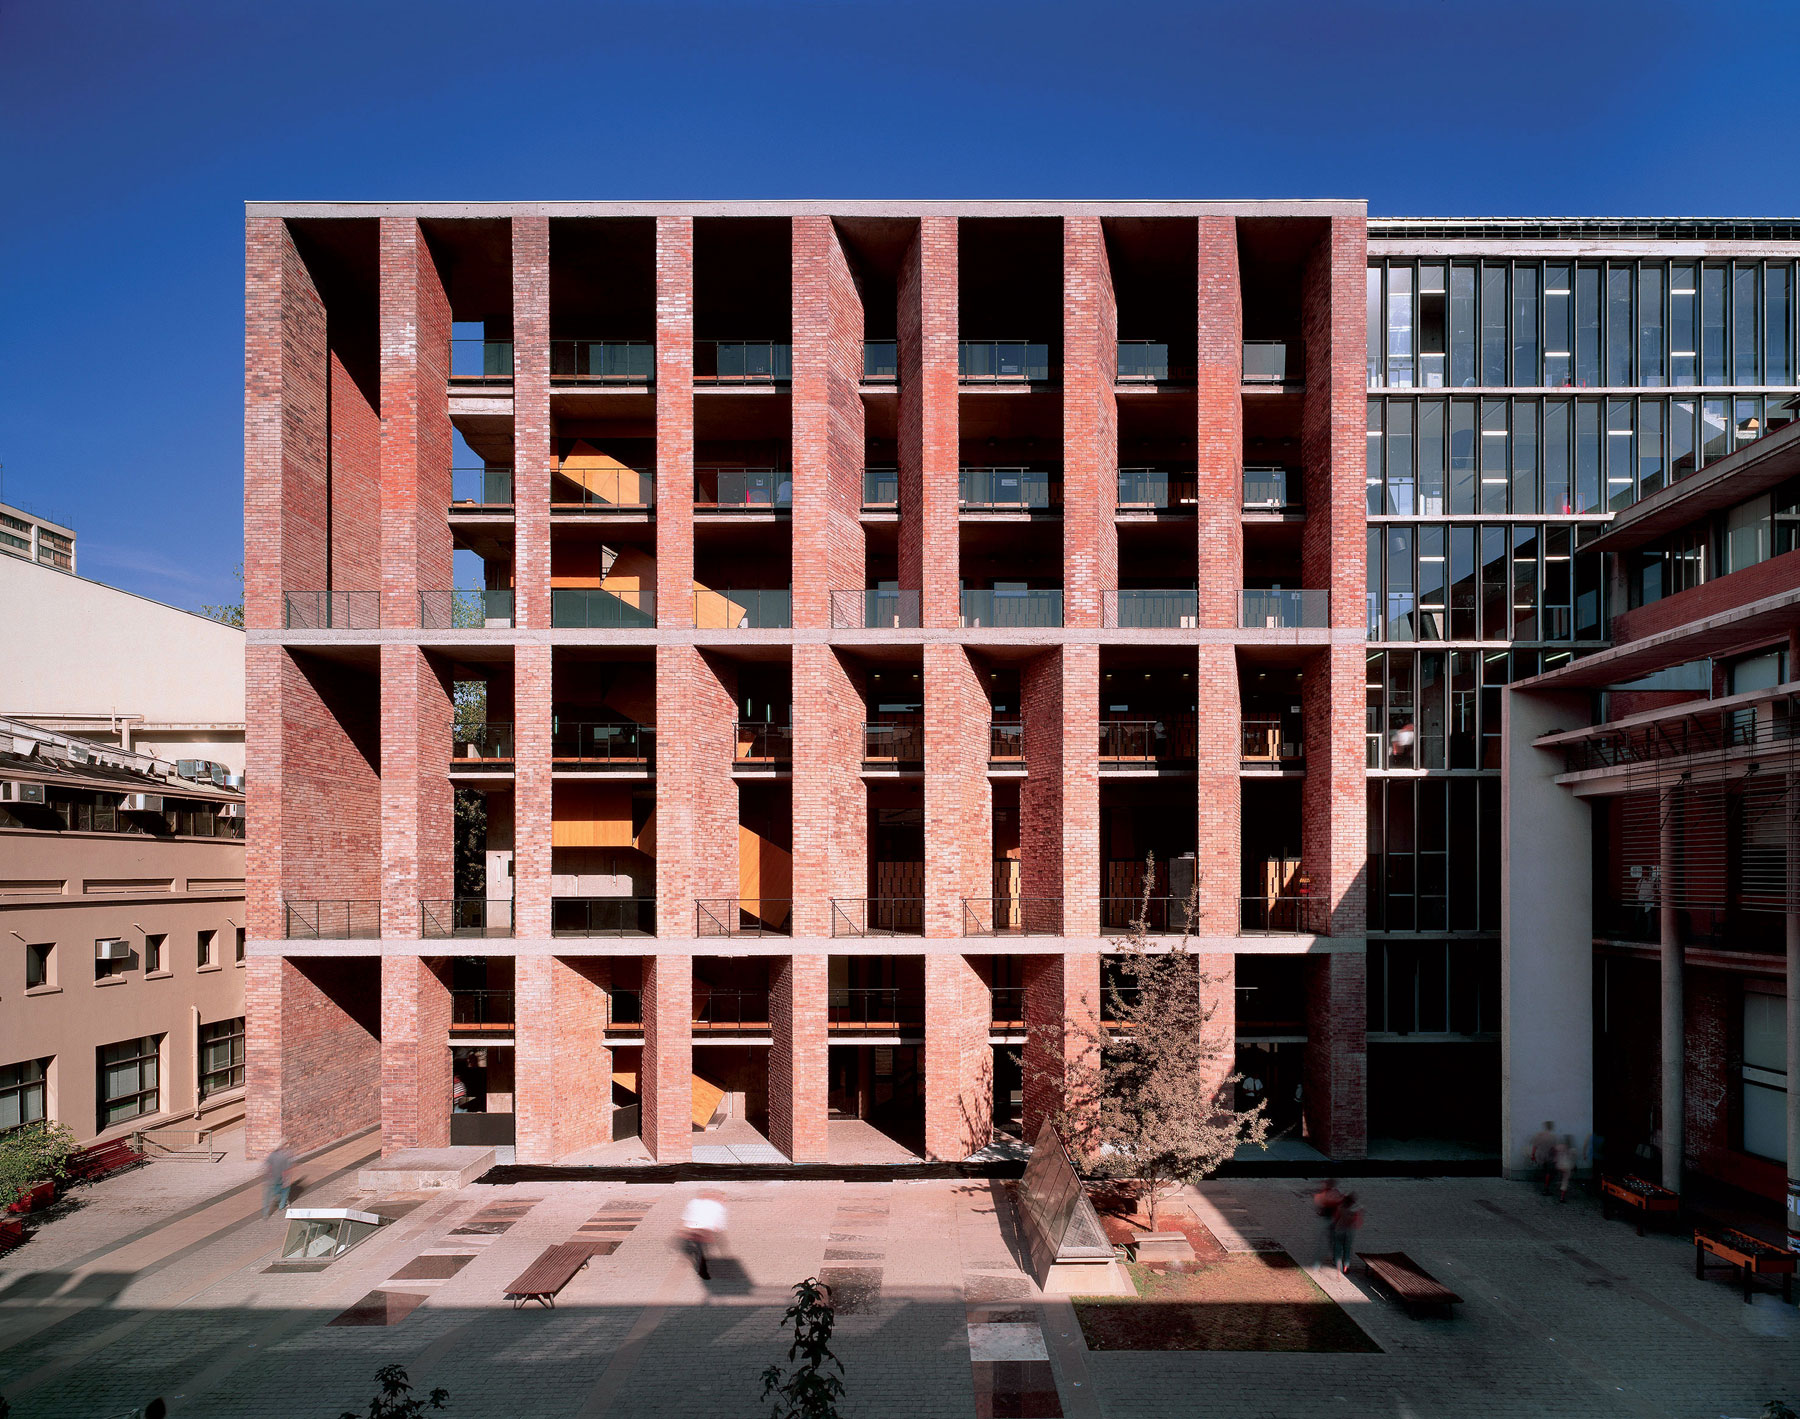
x=396, y=1400
x=36, y=1153
x=1775, y=1409
x=811, y=1391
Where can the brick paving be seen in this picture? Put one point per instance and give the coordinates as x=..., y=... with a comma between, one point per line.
x=153, y=1287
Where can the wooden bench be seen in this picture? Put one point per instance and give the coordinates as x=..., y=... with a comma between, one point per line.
x=12, y=1234
x=103, y=1158
x=1750, y=1255
x=1410, y=1284
x=1639, y=1195
x=545, y=1277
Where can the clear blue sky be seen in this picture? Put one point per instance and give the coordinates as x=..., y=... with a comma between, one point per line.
x=133, y=131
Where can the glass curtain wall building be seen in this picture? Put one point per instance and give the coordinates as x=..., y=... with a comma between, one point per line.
x=1526, y=379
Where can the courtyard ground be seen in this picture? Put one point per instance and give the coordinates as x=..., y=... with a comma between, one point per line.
x=156, y=1282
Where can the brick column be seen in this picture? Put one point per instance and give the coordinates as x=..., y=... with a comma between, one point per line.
x=696, y=799
x=828, y=421
x=415, y=422
x=1334, y=847
x=1219, y=853
x=265, y=669
x=532, y=791
x=1337, y=1053
x=532, y=455
x=929, y=459
x=799, y=988
x=666, y=1081
x=1218, y=1000
x=1059, y=801
x=1334, y=422
x=1062, y=1018
x=959, y=826
x=959, y=1062
x=674, y=423
x=312, y=1051
x=416, y=817
x=562, y=1067
x=830, y=804
x=1090, y=367
x=1219, y=436
x=415, y=1054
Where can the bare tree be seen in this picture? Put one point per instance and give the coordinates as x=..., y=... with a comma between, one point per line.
x=1151, y=1099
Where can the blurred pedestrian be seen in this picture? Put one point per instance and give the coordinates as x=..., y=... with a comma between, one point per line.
x=1325, y=1204
x=276, y=1187
x=702, y=1223
x=1344, y=1222
x=1562, y=1158
x=1594, y=1155
x=1541, y=1157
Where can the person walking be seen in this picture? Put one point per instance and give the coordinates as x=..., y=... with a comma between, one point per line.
x=276, y=1187
x=1325, y=1204
x=1344, y=1223
x=1542, y=1155
x=1562, y=1158
x=702, y=1223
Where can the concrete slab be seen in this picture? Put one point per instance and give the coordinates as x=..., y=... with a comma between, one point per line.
x=1163, y=1246
x=425, y=1169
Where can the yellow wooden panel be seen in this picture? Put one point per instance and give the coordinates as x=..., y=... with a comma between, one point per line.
x=591, y=815
x=706, y=1100
x=601, y=476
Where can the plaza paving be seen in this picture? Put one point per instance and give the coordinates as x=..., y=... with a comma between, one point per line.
x=156, y=1284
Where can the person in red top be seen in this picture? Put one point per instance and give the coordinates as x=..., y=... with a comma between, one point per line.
x=1325, y=1204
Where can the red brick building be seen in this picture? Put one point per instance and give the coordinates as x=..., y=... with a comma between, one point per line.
x=737, y=658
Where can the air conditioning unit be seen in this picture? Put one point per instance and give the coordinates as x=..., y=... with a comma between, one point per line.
x=112, y=948
x=13, y=791
x=235, y=781
x=231, y=810
x=189, y=768
x=141, y=803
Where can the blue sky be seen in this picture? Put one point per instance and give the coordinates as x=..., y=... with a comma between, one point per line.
x=131, y=133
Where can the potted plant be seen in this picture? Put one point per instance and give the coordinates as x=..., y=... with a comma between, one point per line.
x=32, y=1158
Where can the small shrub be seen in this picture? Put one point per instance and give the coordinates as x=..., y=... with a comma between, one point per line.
x=36, y=1153
x=811, y=1391
x=396, y=1400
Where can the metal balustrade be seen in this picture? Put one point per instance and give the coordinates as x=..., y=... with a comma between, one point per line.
x=331, y=920
x=1008, y=489
x=480, y=489
x=1271, y=489
x=1002, y=362
x=596, y=608
x=881, y=361
x=603, y=361
x=466, y=609
x=743, y=489
x=874, y=1010
x=487, y=742
x=1007, y=608
x=1282, y=916
x=884, y=609
x=743, y=362
x=1271, y=742
x=892, y=743
x=1175, y=608
x=1170, y=739
x=1271, y=362
x=730, y=1012
x=877, y=916
x=475, y=358
x=1006, y=742
x=743, y=916
x=481, y=1010
x=444, y=918
x=1162, y=916
x=1008, y=1006
x=331, y=610
x=756, y=608
x=593, y=491
x=625, y=1012
x=1269, y=609
x=881, y=487
x=761, y=743
x=603, y=742
x=1012, y=916
x=1158, y=490
x=1143, y=362
x=603, y=916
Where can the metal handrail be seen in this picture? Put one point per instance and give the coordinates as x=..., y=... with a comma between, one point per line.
x=881, y=487
x=603, y=916
x=1003, y=488
x=1006, y=741
x=877, y=609
x=475, y=357
x=1274, y=609
x=744, y=489
x=881, y=362
x=1132, y=607
x=899, y=740
x=476, y=489
x=1031, y=607
x=721, y=1011
x=1266, y=740
x=1166, y=740
x=1008, y=1005
x=491, y=740
x=1282, y=916
x=878, y=1009
x=1002, y=362
x=1162, y=916
x=763, y=742
x=1143, y=362
x=332, y=610
x=1271, y=487
x=597, y=490
x=1158, y=488
x=465, y=916
x=466, y=608
x=743, y=362
x=352, y=920
x=877, y=916
x=1012, y=916
x=597, y=608
x=603, y=741
x=603, y=361
x=756, y=608
x=625, y=1012
x=481, y=1008
x=743, y=916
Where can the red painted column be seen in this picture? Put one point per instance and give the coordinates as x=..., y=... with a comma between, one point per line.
x=415, y=1054
x=830, y=803
x=666, y=1082
x=929, y=458
x=1219, y=430
x=532, y=454
x=674, y=423
x=532, y=790
x=959, y=1065
x=1063, y=1004
x=799, y=989
x=1090, y=423
x=959, y=832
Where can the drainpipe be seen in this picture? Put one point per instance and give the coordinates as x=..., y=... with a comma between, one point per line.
x=1674, y=1051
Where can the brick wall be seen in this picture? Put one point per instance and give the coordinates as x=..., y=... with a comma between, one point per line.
x=327, y=718
x=929, y=458
x=1062, y=1017
x=415, y=1065
x=674, y=423
x=1219, y=427
x=1059, y=800
x=354, y=480
x=532, y=451
x=799, y=989
x=958, y=801
x=666, y=1081
x=562, y=1066
x=959, y=1064
x=1712, y=598
x=1336, y=1077
x=1090, y=423
x=1334, y=848
x=312, y=1051
x=1217, y=981
x=696, y=798
x=531, y=795
x=1334, y=420
x=416, y=829
x=1218, y=839
x=830, y=802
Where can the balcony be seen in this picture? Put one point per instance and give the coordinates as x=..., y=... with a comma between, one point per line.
x=1174, y=609
x=481, y=490
x=1283, y=916
x=1271, y=744
x=1169, y=740
x=881, y=489
x=466, y=609
x=764, y=490
x=1006, y=743
x=743, y=916
x=603, y=361
x=894, y=743
x=331, y=921
x=730, y=1012
x=579, y=492
x=761, y=745
x=1162, y=916
x=481, y=1012
x=874, y=1010
x=1006, y=1010
x=877, y=916
x=1272, y=609
x=1002, y=362
x=884, y=609
x=595, y=608
x=461, y=917
x=758, y=608
x=481, y=361
x=881, y=362
x=603, y=743
x=1271, y=489
x=1012, y=608
x=481, y=745
x=743, y=362
x=1147, y=362
x=1157, y=490
x=331, y=610
x=1268, y=362
x=1012, y=916
x=1009, y=489
x=625, y=1012
x=603, y=916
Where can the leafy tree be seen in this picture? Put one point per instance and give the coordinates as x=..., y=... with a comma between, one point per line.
x=232, y=613
x=396, y=1399
x=1150, y=1100
x=35, y=1153
x=469, y=701
x=811, y=1391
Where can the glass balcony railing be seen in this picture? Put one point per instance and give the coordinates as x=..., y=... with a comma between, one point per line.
x=475, y=358
x=762, y=744
x=744, y=489
x=881, y=487
x=331, y=921
x=1271, y=489
x=759, y=608
x=618, y=742
x=601, y=490
x=603, y=916
x=881, y=361
x=332, y=610
x=1271, y=362
x=877, y=916
x=478, y=745
x=1176, y=607
x=894, y=743
x=1012, y=608
x=1002, y=362
x=1271, y=609
x=1270, y=742
x=1157, y=490
x=1168, y=740
x=595, y=608
x=743, y=362
x=1006, y=742
x=604, y=361
x=476, y=1011
x=1009, y=489
x=875, y=610
x=1143, y=362
x=480, y=489
x=466, y=609
x=465, y=916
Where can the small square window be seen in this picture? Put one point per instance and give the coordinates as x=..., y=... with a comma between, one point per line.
x=107, y=966
x=40, y=964
x=154, y=942
x=207, y=941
